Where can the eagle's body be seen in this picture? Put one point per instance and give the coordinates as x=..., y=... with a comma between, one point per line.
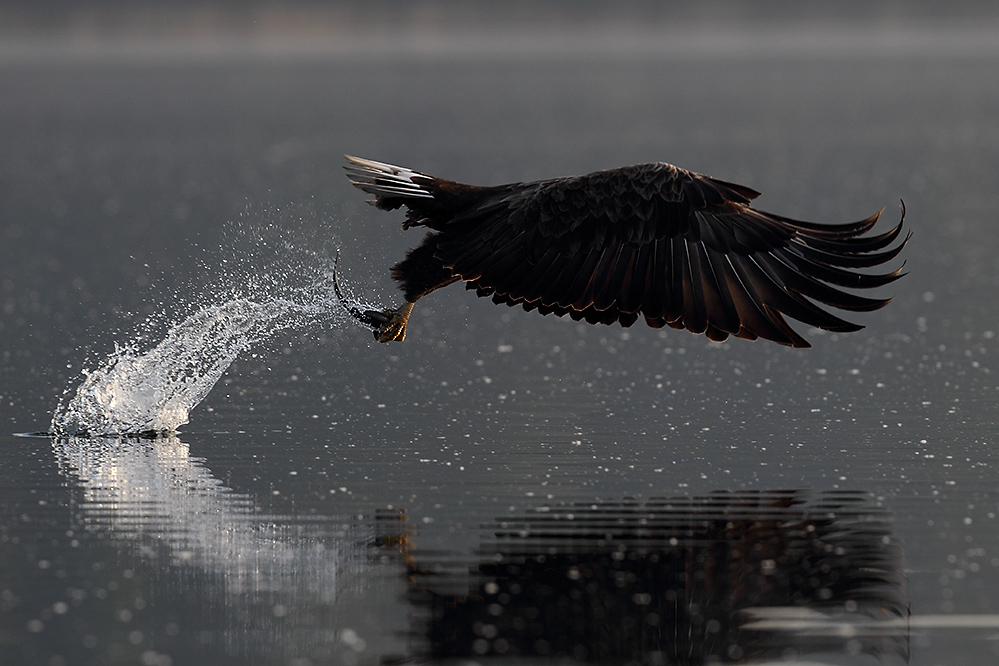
x=650, y=241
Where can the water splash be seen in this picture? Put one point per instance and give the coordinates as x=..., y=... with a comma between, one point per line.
x=153, y=391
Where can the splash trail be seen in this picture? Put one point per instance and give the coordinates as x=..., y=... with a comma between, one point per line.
x=154, y=391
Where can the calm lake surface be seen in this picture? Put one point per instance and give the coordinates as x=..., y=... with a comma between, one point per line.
x=500, y=486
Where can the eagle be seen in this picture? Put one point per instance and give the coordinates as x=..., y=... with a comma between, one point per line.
x=651, y=241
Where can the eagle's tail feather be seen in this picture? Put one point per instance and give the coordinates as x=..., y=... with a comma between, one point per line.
x=392, y=186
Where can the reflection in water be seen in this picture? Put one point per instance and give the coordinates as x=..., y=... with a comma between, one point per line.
x=264, y=583
x=730, y=577
x=726, y=577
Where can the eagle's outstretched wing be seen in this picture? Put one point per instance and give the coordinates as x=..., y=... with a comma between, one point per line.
x=653, y=241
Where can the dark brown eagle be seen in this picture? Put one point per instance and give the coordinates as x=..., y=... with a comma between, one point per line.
x=673, y=247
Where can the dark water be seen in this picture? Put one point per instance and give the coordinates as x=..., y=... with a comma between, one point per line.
x=501, y=485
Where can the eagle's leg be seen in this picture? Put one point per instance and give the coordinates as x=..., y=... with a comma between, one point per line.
x=420, y=273
x=391, y=323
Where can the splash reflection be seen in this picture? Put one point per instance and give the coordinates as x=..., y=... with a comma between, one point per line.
x=728, y=577
x=263, y=583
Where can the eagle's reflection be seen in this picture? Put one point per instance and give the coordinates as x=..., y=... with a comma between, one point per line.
x=727, y=577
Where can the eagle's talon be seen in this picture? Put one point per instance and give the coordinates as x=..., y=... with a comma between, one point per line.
x=393, y=328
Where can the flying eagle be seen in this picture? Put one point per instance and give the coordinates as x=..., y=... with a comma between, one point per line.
x=651, y=241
